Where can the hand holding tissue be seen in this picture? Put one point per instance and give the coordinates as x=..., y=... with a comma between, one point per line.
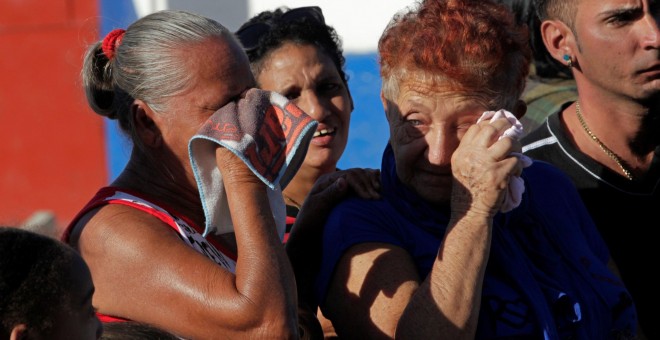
x=268, y=133
x=516, y=185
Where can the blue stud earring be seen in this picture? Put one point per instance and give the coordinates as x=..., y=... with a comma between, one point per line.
x=568, y=60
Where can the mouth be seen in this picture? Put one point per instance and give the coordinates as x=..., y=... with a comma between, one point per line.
x=325, y=132
x=652, y=69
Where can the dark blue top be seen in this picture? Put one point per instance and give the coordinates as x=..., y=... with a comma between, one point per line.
x=547, y=274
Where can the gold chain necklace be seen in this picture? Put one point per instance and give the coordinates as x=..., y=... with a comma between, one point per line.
x=605, y=149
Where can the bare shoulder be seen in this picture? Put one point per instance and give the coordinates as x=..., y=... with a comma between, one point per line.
x=112, y=228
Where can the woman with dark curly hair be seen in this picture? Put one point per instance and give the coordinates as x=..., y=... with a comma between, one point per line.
x=294, y=52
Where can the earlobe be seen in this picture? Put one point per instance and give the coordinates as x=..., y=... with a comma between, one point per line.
x=145, y=125
x=557, y=38
x=18, y=332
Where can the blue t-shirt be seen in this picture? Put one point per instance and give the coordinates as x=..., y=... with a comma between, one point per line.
x=547, y=274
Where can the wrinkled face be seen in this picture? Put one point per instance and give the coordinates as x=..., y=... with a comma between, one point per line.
x=221, y=73
x=309, y=78
x=426, y=126
x=81, y=323
x=619, y=46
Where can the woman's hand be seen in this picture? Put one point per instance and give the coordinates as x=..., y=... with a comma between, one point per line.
x=365, y=183
x=482, y=167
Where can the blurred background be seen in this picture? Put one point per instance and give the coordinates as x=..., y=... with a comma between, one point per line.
x=55, y=152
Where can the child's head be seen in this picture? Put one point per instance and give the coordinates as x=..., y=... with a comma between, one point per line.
x=45, y=289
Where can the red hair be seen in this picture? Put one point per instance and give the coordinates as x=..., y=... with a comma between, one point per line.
x=469, y=47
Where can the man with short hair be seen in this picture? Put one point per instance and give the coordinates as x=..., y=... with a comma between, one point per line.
x=608, y=140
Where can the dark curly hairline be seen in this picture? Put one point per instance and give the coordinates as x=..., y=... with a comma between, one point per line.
x=302, y=32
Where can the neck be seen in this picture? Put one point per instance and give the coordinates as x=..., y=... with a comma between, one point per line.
x=164, y=179
x=628, y=129
x=301, y=184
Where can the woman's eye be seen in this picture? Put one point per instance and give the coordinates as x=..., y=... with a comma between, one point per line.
x=291, y=95
x=329, y=87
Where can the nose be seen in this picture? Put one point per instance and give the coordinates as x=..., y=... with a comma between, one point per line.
x=314, y=105
x=441, y=145
x=651, y=31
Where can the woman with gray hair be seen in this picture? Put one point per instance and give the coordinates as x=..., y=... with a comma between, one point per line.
x=143, y=236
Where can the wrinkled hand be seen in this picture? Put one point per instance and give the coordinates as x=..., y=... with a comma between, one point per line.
x=233, y=169
x=482, y=167
x=331, y=189
x=365, y=183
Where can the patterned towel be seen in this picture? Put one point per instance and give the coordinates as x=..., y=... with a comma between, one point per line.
x=268, y=133
x=517, y=185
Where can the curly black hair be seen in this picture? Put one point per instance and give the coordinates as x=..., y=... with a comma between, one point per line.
x=34, y=281
x=300, y=31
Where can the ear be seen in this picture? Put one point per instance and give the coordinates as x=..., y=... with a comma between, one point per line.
x=18, y=332
x=145, y=124
x=558, y=39
x=520, y=109
x=383, y=100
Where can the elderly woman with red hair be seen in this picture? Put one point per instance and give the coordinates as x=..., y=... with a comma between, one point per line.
x=470, y=239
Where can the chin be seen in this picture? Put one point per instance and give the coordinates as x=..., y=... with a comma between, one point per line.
x=321, y=158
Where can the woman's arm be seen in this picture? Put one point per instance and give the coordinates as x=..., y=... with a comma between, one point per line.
x=304, y=244
x=447, y=304
x=370, y=288
x=143, y=271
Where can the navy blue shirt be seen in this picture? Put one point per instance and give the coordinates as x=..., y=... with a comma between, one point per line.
x=547, y=274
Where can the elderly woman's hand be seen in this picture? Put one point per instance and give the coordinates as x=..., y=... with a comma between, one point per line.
x=365, y=183
x=482, y=167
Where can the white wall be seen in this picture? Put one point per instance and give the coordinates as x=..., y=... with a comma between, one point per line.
x=358, y=22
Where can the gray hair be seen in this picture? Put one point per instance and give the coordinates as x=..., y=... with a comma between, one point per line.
x=149, y=64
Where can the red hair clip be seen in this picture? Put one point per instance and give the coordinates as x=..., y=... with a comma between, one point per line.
x=111, y=41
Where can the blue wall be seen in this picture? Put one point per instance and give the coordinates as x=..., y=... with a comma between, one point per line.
x=369, y=130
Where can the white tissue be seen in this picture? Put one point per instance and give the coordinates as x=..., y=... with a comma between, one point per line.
x=516, y=185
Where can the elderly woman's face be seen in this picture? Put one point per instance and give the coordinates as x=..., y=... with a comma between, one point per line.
x=426, y=126
x=221, y=73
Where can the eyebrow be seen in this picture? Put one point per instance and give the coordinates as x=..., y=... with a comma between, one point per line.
x=626, y=9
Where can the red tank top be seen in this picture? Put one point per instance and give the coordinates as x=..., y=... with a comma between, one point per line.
x=188, y=231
